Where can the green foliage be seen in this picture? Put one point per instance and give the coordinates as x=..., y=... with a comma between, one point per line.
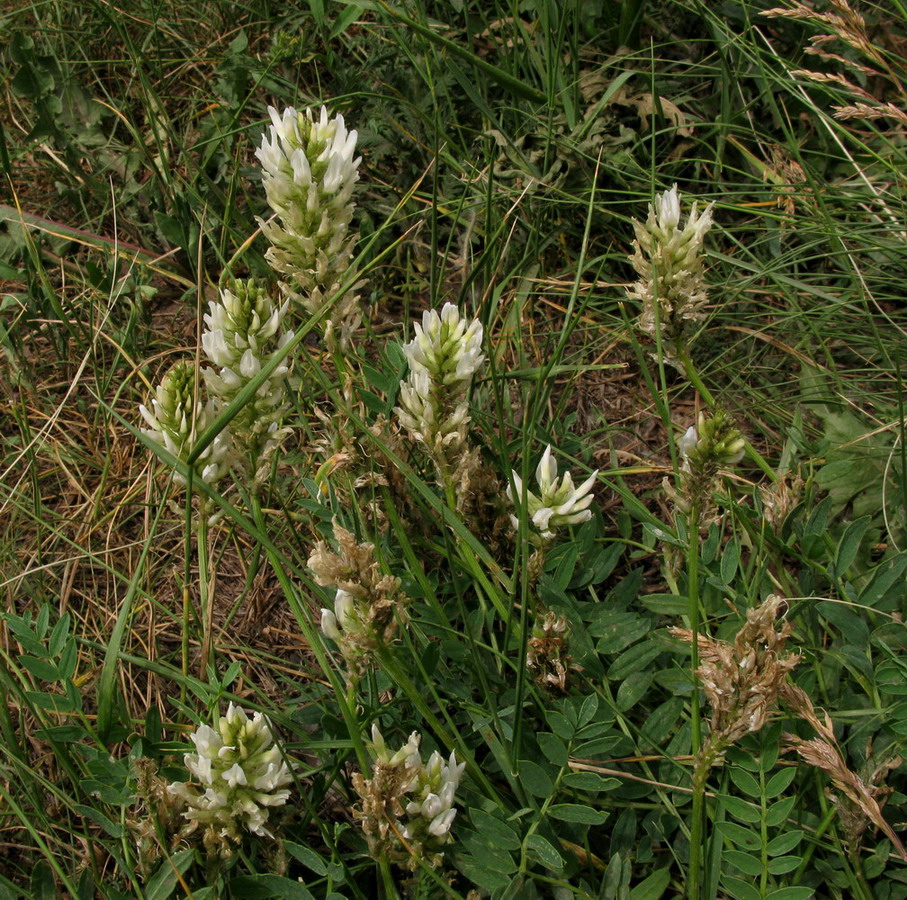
x=506, y=148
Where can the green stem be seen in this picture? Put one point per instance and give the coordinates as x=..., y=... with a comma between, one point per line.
x=695, y=625
x=701, y=768
x=204, y=594
x=704, y=759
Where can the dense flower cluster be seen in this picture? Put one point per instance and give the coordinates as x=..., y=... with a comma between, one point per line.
x=309, y=169
x=443, y=357
x=244, y=331
x=177, y=417
x=558, y=502
x=668, y=260
x=406, y=798
x=368, y=603
x=238, y=774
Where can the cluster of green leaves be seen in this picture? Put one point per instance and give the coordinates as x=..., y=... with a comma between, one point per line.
x=515, y=140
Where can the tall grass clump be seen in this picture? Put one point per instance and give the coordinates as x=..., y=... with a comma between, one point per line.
x=453, y=450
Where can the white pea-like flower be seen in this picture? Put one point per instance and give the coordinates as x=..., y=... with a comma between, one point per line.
x=668, y=260
x=443, y=357
x=238, y=773
x=177, y=417
x=433, y=790
x=558, y=503
x=309, y=168
x=343, y=620
x=406, y=797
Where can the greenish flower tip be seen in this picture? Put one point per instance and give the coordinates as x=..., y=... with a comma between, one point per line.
x=715, y=440
x=446, y=346
x=238, y=774
x=241, y=324
x=558, y=502
x=177, y=416
x=307, y=156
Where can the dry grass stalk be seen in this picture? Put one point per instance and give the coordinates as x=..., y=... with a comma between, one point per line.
x=857, y=799
x=844, y=23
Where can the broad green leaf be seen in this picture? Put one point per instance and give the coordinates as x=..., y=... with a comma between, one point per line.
x=745, y=782
x=781, y=865
x=590, y=781
x=849, y=545
x=746, y=862
x=886, y=576
x=546, y=851
x=618, y=630
x=499, y=834
x=730, y=559
x=554, y=749
x=634, y=660
x=266, y=886
x=560, y=724
x=576, y=812
x=42, y=669
x=535, y=779
x=164, y=881
x=737, y=834
x=307, y=856
x=780, y=781
x=479, y=875
x=784, y=843
x=780, y=811
x=666, y=604
x=653, y=887
x=739, y=889
x=114, y=829
x=740, y=809
x=633, y=689
x=791, y=893
x=588, y=711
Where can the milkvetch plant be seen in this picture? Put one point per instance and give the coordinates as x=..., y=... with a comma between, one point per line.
x=238, y=775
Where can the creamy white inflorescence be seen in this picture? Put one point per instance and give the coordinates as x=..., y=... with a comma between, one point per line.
x=443, y=357
x=177, y=417
x=558, y=502
x=238, y=774
x=309, y=168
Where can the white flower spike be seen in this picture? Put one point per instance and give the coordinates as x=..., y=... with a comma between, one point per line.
x=443, y=357
x=558, y=503
x=668, y=260
x=238, y=774
x=309, y=168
